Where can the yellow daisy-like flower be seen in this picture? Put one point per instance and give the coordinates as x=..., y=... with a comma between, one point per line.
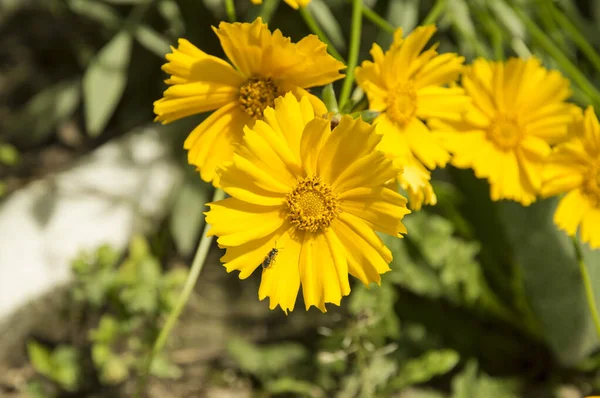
x=405, y=84
x=518, y=110
x=574, y=167
x=414, y=179
x=292, y=3
x=267, y=65
x=308, y=199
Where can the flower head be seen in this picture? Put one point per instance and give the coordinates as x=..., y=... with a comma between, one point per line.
x=406, y=84
x=518, y=110
x=265, y=66
x=316, y=195
x=574, y=167
x=292, y=3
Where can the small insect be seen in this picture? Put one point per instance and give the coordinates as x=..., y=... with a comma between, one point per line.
x=270, y=258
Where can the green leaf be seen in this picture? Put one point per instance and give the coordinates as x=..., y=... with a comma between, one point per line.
x=44, y=111
x=425, y=367
x=65, y=360
x=107, y=331
x=551, y=278
x=265, y=361
x=40, y=357
x=101, y=353
x=330, y=99
x=96, y=11
x=469, y=384
x=328, y=22
x=161, y=367
x=187, y=217
x=104, y=82
x=298, y=388
x=152, y=40
x=9, y=155
x=114, y=370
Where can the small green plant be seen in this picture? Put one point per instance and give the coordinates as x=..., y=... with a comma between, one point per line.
x=121, y=306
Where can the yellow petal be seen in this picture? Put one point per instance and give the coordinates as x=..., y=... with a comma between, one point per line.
x=237, y=184
x=237, y=222
x=322, y=280
x=381, y=208
x=314, y=137
x=570, y=211
x=439, y=70
x=441, y=102
x=250, y=255
x=214, y=140
x=415, y=180
x=281, y=281
x=425, y=145
x=590, y=228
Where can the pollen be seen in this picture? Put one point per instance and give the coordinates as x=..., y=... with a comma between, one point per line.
x=312, y=206
x=402, y=103
x=506, y=132
x=256, y=94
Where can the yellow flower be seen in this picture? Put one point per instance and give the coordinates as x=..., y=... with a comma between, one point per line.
x=405, y=83
x=267, y=65
x=518, y=110
x=414, y=179
x=292, y=3
x=574, y=167
x=315, y=195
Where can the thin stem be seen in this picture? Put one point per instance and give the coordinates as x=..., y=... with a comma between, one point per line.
x=268, y=9
x=435, y=12
x=230, y=8
x=378, y=20
x=553, y=50
x=316, y=29
x=353, y=53
x=192, y=278
x=587, y=283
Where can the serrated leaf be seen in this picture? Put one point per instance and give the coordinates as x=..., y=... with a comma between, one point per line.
x=425, y=367
x=152, y=40
x=551, y=278
x=104, y=82
x=187, y=218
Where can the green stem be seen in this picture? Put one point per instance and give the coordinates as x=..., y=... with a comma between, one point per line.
x=268, y=9
x=553, y=50
x=192, y=278
x=576, y=36
x=435, y=12
x=353, y=53
x=316, y=29
x=230, y=8
x=587, y=283
x=378, y=20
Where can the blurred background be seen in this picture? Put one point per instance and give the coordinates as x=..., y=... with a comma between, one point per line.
x=100, y=216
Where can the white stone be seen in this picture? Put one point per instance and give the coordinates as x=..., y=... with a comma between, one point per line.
x=121, y=188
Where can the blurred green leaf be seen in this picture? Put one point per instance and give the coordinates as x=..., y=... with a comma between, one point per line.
x=107, y=331
x=265, y=361
x=161, y=367
x=404, y=14
x=469, y=384
x=97, y=11
x=169, y=10
x=114, y=370
x=9, y=155
x=187, y=217
x=51, y=106
x=424, y=368
x=288, y=385
x=101, y=353
x=128, y=1
x=551, y=278
x=152, y=40
x=40, y=357
x=330, y=25
x=104, y=82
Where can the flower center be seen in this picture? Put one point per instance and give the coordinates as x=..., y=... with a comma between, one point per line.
x=312, y=205
x=506, y=132
x=256, y=94
x=591, y=186
x=402, y=103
